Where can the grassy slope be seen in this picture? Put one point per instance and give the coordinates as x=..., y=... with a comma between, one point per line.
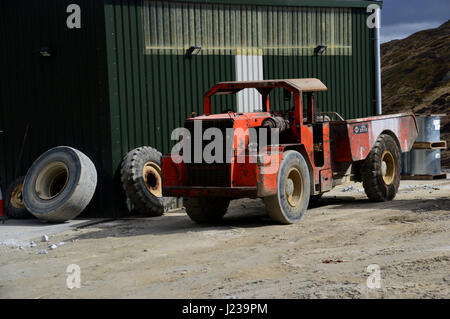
x=416, y=76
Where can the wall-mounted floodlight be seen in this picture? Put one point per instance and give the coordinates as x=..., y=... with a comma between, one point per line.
x=193, y=51
x=46, y=52
x=320, y=49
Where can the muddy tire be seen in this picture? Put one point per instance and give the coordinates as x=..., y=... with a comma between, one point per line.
x=59, y=185
x=206, y=210
x=381, y=170
x=292, y=199
x=14, y=206
x=142, y=181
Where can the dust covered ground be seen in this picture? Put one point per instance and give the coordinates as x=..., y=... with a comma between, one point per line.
x=326, y=255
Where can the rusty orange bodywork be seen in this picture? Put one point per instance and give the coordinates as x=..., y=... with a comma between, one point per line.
x=329, y=147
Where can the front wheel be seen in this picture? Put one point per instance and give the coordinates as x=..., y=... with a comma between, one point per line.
x=206, y=210
x=292, y=199
x=381, y=170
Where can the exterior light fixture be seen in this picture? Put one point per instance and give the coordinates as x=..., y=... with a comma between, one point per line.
x=320, y=49
x=193, y=51
x=46, y=52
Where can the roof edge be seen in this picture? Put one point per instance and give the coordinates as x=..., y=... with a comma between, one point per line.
x=296, y=3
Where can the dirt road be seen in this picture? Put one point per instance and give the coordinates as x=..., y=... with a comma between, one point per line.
x=325, y=255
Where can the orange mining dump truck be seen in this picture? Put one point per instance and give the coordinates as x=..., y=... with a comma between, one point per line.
x=309, y=154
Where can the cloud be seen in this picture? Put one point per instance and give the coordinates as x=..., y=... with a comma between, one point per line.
x=414, y=11
x=403, y=30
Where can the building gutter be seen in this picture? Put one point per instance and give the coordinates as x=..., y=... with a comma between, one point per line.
x=379, y=109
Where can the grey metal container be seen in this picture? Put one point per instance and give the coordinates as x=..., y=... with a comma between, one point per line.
x=406, y=163
x=425, y=162
x=429, y=128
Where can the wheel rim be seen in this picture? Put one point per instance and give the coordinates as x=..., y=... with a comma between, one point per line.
x=16, y=197
x=152, y=178
x=388, y=167
x=293, y=187
x=52, y=180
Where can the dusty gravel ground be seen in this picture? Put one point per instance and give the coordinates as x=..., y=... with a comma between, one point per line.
x=326, y=255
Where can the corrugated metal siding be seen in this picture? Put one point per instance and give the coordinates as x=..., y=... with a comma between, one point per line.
x=62, y=97
x=152, y=94
x=153, y=86
x=249, y=67
x=349, y=78
x=172, y=27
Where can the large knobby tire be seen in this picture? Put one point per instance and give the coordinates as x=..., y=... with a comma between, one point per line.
x=292, y=199
x=381, y=170
x=206, y=210
x=60, y=184
x=142, y=181
x=14, y=205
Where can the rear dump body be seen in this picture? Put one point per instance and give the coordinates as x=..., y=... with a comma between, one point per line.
x=352, y=140
x=253, y=175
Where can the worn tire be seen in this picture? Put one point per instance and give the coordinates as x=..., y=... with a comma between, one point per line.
x=142, y=182
x=14, y=206
x=60, y=184
x=206, y=210
x=381, y=170
x=293, y=182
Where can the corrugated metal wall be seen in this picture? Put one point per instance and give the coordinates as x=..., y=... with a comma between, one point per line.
x=249, y=67
x=349, y=77
x=63, y=98
x=153, y=86
x=152, y=94
x=173, y=26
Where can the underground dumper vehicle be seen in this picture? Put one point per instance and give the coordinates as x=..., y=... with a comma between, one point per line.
x=220, y=157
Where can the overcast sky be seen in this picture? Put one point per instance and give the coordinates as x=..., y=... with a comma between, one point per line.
x=401, y=18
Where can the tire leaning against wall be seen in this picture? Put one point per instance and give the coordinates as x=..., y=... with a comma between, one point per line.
x=60, y=184
x=142, y=181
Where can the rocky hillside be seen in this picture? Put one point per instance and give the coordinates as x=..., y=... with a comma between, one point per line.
x=416, y=76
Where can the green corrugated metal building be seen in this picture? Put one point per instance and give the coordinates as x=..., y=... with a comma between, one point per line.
x=123, y=79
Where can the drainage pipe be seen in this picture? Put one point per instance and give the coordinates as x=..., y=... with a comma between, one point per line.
x=379, y=109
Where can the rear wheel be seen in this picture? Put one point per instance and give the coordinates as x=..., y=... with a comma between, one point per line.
x=291, y=201
x=206, y=209
x=381, y=170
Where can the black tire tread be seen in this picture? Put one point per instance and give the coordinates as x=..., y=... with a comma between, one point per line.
x=131, y=173
x=205, y=210
x=373, y=184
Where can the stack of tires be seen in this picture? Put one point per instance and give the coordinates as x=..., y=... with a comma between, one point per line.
x=62, y=181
